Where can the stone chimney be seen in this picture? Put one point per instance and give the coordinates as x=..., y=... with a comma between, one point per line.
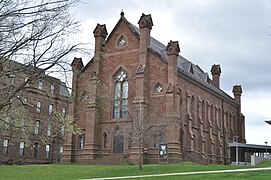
x=240, y=123
x=216, y=71
x=237, y=92
x=100, y=34
x=77, y=66
x=173, y=50
x=145, y=25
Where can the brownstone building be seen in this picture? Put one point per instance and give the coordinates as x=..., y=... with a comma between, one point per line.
x=136, y=68
x=26, y=129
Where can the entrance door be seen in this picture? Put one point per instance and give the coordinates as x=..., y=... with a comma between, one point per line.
x=118, y=144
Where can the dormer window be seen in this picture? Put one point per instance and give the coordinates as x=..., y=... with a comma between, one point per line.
x=40, y=85
x=26, y=79
x=121, y=41
x=191, y=70
x=12, y=78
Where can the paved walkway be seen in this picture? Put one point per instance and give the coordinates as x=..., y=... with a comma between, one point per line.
x=184, y=173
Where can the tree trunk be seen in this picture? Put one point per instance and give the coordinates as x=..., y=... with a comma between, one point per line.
x=139, y=154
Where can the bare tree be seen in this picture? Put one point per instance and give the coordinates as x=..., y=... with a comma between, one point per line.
x=15, y=122
x=144, y=127
x=38, y=34
x=18, y=126
x=36, y=40
x=58, y=125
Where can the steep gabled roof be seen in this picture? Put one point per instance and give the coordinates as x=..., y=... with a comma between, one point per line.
x=182, y=63
x=185, y=67
x=64, y=89
x=123, y=19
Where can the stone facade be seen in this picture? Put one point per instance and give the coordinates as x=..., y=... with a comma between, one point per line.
x=52, y=95
x=164, y=80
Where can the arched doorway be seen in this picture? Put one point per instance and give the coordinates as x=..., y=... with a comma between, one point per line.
x=118, y=141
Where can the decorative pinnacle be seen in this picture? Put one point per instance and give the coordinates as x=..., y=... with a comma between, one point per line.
x=122, y=13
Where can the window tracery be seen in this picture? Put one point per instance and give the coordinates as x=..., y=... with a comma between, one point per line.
x=120, y=95
x=121, y=41
x=158, y=88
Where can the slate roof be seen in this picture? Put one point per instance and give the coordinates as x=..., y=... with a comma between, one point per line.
x=64, y=89
x=17, y=66
x=185, y=67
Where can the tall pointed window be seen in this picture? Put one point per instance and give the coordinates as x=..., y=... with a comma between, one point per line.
x=120, y=95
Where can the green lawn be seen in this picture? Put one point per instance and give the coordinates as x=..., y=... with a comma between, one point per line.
x=74, y=171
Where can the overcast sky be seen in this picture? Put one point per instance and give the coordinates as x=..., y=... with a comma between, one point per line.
x=233, y=33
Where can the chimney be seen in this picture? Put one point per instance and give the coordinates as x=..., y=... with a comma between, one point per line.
x=216, y=71
x=237, y=92
x=145, y=25
x=240, y=123
x=173, y=50
x=100, y=34
x=77, y=66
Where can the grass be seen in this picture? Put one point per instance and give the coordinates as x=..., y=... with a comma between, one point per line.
x=74, y=171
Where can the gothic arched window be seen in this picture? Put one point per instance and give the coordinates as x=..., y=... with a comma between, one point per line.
x=120, y=95
x=121, y=41
x=158, y=88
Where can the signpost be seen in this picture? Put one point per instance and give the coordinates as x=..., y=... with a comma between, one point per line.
x=163, y=153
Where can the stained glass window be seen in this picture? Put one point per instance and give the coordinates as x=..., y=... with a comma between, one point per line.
x=120, y=96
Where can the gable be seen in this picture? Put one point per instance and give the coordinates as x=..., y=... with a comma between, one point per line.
x=122, y=37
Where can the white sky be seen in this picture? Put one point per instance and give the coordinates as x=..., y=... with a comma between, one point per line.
x=233, y=33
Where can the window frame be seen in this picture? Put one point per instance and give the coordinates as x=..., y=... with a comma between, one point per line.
x=35, y=150
x=47, y=150
x=38, y=107
x=64, y=111
x=26, y=79
x=52, y=89
x=81, y=142
x=37, y=127
x=12, y=78
x=49, y=129
x=21, y=148
x=50, y=109
x=5, y=146
x=121, y=95
x=121, y=42
x=40, y=84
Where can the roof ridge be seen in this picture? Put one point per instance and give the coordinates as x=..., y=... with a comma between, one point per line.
x=200, y=75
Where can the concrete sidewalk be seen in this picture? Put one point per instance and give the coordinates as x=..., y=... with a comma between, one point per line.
x=184, y=173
